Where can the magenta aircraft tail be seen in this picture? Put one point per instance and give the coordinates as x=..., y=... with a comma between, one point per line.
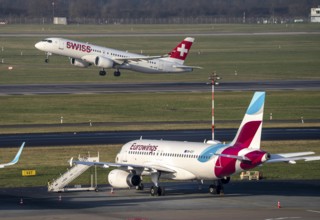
x=249, y=132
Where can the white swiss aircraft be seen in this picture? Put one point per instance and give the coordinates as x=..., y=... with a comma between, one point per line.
x=213, y=161
x=16, y=158
x=84, y=54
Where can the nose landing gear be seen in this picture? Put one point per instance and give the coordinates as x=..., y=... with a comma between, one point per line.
x=47, y=57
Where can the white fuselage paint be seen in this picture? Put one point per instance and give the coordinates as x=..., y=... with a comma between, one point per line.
x=159, y=65
x=186, y=158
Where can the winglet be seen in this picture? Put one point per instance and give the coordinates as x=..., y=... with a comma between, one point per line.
x=249, y=132
x=15, y=159
x=71, y=162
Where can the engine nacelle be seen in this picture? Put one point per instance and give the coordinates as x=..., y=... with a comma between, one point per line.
x=103, y=62
x=79, y=63
x=123, y=179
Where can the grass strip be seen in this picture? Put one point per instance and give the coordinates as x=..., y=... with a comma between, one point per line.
x=50, y=162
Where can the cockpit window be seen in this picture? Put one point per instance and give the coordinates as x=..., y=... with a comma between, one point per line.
x=49, y=41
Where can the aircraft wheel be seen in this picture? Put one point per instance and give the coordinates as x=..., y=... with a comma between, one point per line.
x=153, y=190
x=214, y=190
x=117, y=73
x=102, y=73
x=161, y=191
x=140, y=186
x=46, y=60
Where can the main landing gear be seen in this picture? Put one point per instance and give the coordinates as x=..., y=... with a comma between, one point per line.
x=156, y=190
x=216, y=188
x=140, y=187
x=116, y=73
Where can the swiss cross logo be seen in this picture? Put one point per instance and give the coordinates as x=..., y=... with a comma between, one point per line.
x=182, y=50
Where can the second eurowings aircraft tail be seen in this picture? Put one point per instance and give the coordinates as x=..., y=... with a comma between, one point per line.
x=249, y=132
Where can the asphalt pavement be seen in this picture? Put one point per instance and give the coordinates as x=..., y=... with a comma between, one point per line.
x=103, y=88
x=183, y=200
x=121, y=137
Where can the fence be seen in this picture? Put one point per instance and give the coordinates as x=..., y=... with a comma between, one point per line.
x=171, y=20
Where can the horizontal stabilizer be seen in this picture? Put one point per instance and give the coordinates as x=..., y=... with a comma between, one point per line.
x=292, y=157
x=241, y=158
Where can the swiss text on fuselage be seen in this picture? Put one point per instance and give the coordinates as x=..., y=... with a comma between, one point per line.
x=79, y=46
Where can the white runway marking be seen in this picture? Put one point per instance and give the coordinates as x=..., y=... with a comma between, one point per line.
x=281, y=218
x=313, y=211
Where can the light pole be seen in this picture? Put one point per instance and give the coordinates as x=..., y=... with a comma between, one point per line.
x=52, y=12
x=214, y=81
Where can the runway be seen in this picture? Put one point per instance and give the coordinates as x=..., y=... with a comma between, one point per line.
x=160, y=34
x=121, y=137
x=183, y=200
x=45, y=89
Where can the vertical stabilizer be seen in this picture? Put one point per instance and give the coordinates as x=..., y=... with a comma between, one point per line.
x=181, y=51
x=249, y=132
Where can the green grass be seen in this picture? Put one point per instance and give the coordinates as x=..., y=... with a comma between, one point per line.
x=156, y=29
x=141, y=107
x=50, y=162
x=292, y=57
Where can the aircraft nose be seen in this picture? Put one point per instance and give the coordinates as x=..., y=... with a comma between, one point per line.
x=38, y=45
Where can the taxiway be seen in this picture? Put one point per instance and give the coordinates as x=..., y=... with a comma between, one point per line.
x=121, y=137
x=45, y=89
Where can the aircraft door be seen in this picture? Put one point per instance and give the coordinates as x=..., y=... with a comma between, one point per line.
x=124, y=157
x=61, y=44
x=160, y=65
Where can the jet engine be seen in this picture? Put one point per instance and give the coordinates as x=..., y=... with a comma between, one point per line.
x=103, y=62
x=79, y=63
x=123, y=179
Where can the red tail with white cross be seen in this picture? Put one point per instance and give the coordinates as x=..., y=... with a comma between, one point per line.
x=180, y=52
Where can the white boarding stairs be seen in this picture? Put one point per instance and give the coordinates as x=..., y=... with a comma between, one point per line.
x=57, y=185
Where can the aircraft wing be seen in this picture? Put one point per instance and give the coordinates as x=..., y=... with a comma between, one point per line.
x=292, y=157
x=15, y=159
x=150, y=167
x=120, y=60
